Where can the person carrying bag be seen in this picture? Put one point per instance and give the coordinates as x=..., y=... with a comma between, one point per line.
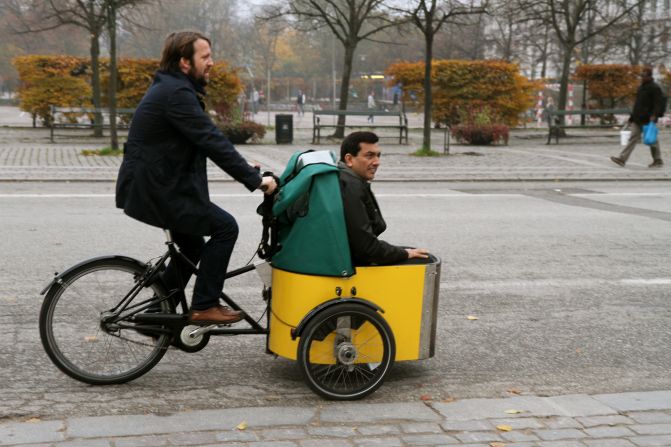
x=649, y=106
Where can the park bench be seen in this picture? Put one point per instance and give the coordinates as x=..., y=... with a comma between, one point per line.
x=556, y=123
x=318, y=124
x=69, y=118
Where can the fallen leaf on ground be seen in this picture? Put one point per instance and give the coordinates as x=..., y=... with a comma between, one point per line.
x=91, y=338
x=241, y=426
x=504, y=427
x=514, y=391
x=33, y=420
x=425, y=397
x=513, y=411
x=472, y=317
x=497, y=444
x=447, y=400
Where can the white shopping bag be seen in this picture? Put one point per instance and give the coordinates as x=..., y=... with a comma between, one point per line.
x=624, y=136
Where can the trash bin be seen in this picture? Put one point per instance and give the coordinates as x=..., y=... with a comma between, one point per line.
x=284, y=129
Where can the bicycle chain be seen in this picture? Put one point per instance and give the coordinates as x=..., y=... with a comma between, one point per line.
x=138, y=342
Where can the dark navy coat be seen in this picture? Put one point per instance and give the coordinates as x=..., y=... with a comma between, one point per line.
x=163, y=179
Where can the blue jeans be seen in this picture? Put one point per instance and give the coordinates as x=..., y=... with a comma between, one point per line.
x=213, y=256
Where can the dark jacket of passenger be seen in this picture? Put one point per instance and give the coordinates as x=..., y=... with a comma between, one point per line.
x=365, y=223
x=648, y=103
x=163, y=179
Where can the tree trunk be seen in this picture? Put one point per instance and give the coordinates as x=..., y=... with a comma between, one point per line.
x=508, y=50
x=428, y=92
x=544, y=54
x=344, y=88
x=95, y=84
x=565, y=75
x=268, y=93
x=637, y=49
x=114, y=139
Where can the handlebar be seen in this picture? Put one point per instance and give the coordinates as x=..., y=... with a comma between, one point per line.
x=268, y=244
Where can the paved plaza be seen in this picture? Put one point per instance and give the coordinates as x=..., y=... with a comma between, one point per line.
x=607, y=420
x=631, y=419
x=28, y=154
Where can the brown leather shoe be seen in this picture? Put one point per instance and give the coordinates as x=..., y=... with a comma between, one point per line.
x=215, y=315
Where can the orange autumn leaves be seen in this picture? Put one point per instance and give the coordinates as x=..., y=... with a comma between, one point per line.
x=609, y=85
x=459, y=86
x=65, y=81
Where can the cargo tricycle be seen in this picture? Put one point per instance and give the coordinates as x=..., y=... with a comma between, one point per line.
x=110, y=319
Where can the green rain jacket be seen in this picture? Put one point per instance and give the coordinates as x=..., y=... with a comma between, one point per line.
x=311, y=223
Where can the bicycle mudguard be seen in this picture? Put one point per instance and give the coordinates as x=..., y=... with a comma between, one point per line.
x=298, y=330
x=58, y=276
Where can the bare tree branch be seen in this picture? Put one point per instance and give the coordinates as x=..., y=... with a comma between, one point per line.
x=350, y=22
x=429, y=16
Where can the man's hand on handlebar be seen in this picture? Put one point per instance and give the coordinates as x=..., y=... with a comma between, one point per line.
x=417, y=253
x=268, y=184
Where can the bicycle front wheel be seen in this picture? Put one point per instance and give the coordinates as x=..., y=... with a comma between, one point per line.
x=75, y=336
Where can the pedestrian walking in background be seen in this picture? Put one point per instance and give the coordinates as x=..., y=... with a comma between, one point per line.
x=255, y=101
x=371, y=106
x=549, y=109
x=397, y=90
x=648, y=107
x=300, y=103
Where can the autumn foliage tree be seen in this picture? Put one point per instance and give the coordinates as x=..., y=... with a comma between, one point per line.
x=49, y=80
x=461, y=87
x=610, y=84
x=223, y=90
x=62, y=81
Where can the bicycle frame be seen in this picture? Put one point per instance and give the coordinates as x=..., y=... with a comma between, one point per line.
x=175, y=322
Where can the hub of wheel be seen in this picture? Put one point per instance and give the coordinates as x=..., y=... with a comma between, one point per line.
x=106, y=322
x=346, y=353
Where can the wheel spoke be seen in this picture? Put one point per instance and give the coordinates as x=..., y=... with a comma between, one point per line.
x=346, y=353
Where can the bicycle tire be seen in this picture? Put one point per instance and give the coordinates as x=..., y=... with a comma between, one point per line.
x=345, y=351
x=74, y=338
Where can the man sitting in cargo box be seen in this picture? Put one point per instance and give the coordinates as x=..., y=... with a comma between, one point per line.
x=359, y=160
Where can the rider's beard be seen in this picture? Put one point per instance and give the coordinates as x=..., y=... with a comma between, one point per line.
x=198, y=77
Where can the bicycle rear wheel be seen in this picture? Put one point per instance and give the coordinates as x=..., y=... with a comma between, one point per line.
x=78, y=341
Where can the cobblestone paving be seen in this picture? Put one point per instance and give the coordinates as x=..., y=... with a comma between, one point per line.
x=28, y=155
x=608, y=420
x=626, y=419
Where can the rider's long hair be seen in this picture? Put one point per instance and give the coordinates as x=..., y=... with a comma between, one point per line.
x=179, y=45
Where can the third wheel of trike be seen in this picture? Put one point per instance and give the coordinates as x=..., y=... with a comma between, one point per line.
x=345, y=351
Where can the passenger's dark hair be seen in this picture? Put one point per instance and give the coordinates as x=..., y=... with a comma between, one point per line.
x=351, y=143
x=179, y=45
x=647, y=70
